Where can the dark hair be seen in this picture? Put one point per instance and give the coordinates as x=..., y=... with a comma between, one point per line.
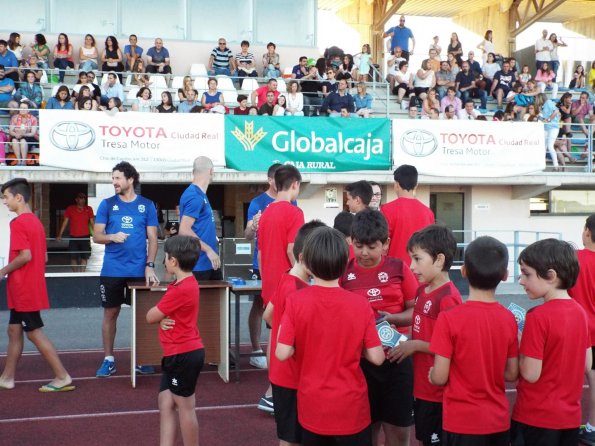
x=242, y=97
x=481, y=118
x=590, y=225
x=369, y=226
x=60, y=89
x=18, y=186
x=271, y=43
x=403, y=63
x=185, y=249
x=285, y=176
x=305, y=230
x=498, y=116
x=406, y=176
x=140, y=92
x=132, y=35
x=1, y=67
x=128, y=170
x=555, y=254
x=325, y=253
x=412, y=105
x=343, y=222
x=435, y=239
x=12, y=40
x=40, y=39
x=244, y=42
x=117, y=101
x=92, y=38
x=66, y=42
x=169, y=98
x=197, y=109
x=486, y=262
x=114, y=42
x=272, y=169
x=361, y=189
x=81, y=101
x=349, y=57
x=3, y=42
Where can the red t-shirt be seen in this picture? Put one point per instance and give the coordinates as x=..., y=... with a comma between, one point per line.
x=26, y=288
x=478, y=337
x=425, y=314
x=386, y=286
x=283, y=373
x=329, y=328
x=557, y=333
x=405, y=216
x=584, y=289
x=79, y=220
x=261, y=95
x=277, y=228
x=180, y=303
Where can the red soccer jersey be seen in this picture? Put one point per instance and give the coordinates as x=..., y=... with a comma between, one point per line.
x=283, y=373
x=26, y=288
x=329, y=328
x=79, y=220
x=425, y=314
x=386, y=286
x=405, y=216
x=584, y=290
x=180, y=303
x=277, y=228
x=478, y=338
x=557, y=333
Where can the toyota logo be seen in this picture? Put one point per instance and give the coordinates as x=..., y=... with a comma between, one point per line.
x=419, y=143
x=72, y=136
x=373, y=292
x=126, y=219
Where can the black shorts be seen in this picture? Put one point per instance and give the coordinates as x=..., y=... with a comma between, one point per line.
x=363, y=438
x=593, y=354
x=286, y=416
x=497, y=439
x=29, y=320
x=209, y=274
x=114, y=292
x=428, y=421
x=522, y=434
x=390, y=391
x=180, y=372
x=80, y=248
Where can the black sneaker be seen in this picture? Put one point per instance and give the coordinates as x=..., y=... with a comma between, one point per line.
x=586, y=437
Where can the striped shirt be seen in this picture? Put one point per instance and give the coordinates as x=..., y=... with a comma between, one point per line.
x=247, y=58
x=221, y=58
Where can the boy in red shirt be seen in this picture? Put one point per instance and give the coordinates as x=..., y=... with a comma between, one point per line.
x=476, y=350
x=26, y=289
x=584, y=293
x=553, y=345
x=283, y=375
x=389, y=285
x=81, y=218
x=432, y=251
x=328, y=329
x=183, y=350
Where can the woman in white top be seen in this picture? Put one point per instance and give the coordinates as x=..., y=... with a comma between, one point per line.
x=487, y=46
x=424, y=80
x=15, y=47
x=88, y=54
x=490, y=67
x=554, y=53
x=403, y=81
x=142, y=103
x=279, y=109
x=295, y=99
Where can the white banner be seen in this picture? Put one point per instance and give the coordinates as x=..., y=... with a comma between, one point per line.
x=469, y=148
x=152, y=142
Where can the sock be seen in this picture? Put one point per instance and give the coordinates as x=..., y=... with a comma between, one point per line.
x=589, y=428
x=110, y=358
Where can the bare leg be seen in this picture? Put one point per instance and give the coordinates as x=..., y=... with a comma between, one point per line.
x=269, y=391
x=188, y=420
x=83, y=265
x=255, y=322
x=168, y=418
x=376, y=429
x=591, y=380
x=15, y=350
x=47, y=350
x=23, y=154
x=108, y=329
x=396, y=435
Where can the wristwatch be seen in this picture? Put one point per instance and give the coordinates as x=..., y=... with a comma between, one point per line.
x=150, y=264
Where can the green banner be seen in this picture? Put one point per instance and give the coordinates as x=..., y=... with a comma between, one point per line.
x=253, y=143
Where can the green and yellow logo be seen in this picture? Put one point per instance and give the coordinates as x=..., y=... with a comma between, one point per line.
x=248, y=138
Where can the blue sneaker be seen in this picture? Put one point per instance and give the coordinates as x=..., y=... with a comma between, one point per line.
x=107, y=368
x=145, y=369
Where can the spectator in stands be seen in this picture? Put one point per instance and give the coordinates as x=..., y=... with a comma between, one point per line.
x=546, y=79
x=31, y=90
x=301, y=69
x=167, y=104
x=112, y=57
x=271, y=62
x=565, y=107
x=452, y=61
x=530, y=113
x=88, y=54
x=30, y=65
x=487, y=45
x=430, y=102
x=132, y=52
x=41, y=50
x=84, y=103
x=347, y=70
x=469, y=111
x=61, y=101
x=114, y=104
x=23, y=132
x=444, y=79
x=502, y=83
x=333, y=102
x=311, y=88
x=363, y=101
x=187, y=85
x=242, y=109
x=280, y=107
x=452, y=100
x=433, y=60
x=543, y=50
x=260, y=94
x=268, y=107
x=364, y=63
x=474, y=65
x=524, y=75
x=582, y=112
x=190, y=102
x=6, y=88
x=449, y=113
x=556, y=43
x=112, y=88
x=465, y=85
x=404, y=82
x=393, y=64
x=561, y=146
x=424, y=80
x=221, y=60
x=245, y=62
x=82, y=81
x=143, y=102
x=436, y=46
x=330, y=84
x=455, y=47
x=15, y=47
x=549, y=114
x=212, y=97
x=158, y=60
x=253, y=111
x=96, y=90
x=578, y=78
x=412, y=111
x=399, y=37
x=9, y=61
x=591, y=80
x=85, y=92
x=139, y=77
x=295, y=99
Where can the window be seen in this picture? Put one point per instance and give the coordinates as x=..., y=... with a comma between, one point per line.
x=561, y=201
x=286, y=22
x=97, y=18
x=230, y=19
x=15, y=18
x=154, y=18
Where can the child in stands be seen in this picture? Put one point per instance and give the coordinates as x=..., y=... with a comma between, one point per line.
x=432, y=252
x=553, y=359
x=332, y=400
x=476, y=350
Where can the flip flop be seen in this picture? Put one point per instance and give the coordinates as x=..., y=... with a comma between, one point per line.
x=49, y=388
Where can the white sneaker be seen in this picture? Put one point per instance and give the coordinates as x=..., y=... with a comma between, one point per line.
x=260, y=362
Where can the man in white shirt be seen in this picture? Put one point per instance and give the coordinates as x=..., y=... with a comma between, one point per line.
x=543, y=48
x=468, y=111
x=112, y=88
